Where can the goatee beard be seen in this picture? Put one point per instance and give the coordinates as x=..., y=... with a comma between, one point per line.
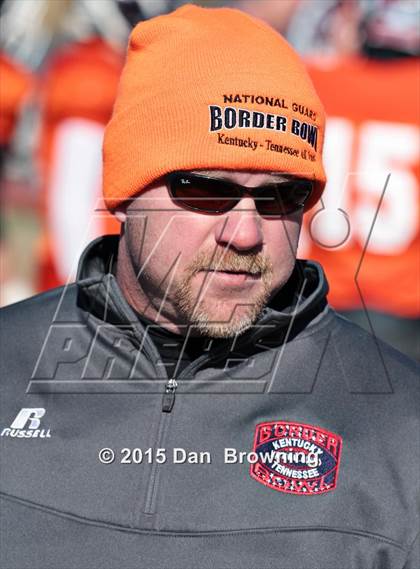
x=199, y=311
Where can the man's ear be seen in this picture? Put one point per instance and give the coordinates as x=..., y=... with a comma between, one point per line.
x=121, y=213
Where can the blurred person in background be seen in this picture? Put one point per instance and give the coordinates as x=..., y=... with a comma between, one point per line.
x=368, y=235
x=16, y=88
x=78, y=91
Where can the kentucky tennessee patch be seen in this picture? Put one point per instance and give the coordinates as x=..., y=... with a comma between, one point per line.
x=296, y=458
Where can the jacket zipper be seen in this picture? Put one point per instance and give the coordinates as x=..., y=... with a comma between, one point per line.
x=168, y=399
x=168, y=402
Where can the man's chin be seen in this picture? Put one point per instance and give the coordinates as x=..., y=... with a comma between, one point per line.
x=221, y=312
x=224, y=323
x=222, y=330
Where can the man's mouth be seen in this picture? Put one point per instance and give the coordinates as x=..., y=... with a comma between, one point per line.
x=233, y=271
x=234, y=277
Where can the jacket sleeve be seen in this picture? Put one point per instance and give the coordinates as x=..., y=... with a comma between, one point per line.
x=413, y=559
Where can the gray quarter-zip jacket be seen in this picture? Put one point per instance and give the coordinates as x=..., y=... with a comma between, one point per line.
x=325, y=415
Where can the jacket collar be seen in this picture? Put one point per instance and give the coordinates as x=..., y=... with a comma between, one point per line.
x=299, y=303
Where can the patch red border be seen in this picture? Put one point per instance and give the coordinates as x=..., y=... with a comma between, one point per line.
x=295, y=442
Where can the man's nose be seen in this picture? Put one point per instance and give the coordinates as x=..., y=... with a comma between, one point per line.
x=240, y=227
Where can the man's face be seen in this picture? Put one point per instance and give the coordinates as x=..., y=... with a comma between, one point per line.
x=215, y=272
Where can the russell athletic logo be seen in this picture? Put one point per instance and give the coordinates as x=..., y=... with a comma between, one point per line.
x=296, y=458
x=26, y=425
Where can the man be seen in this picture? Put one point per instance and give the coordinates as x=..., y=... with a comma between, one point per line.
x=193, y=401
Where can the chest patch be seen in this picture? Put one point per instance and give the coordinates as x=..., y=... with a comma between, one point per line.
x=296, y=458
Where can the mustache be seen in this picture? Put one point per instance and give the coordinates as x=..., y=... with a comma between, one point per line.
x=231, y=261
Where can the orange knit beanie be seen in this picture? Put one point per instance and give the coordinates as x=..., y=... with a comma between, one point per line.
x=211, y=88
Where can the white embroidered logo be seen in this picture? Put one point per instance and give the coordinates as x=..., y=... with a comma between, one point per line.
x=33, y=417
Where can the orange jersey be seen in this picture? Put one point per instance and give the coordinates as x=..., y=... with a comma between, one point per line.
x=77, y=98
x=367, y=235
x=15, y=85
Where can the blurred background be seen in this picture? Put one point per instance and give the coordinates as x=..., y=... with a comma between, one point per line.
x=59, y=66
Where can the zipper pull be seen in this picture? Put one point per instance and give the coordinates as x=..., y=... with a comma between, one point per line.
x=168, y=399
